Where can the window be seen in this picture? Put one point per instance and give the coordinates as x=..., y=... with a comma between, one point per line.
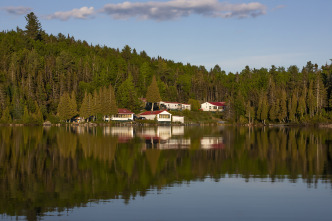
x=123, y=115
x=164, y=116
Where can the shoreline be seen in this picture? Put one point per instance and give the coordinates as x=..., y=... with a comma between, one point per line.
x=98, y=124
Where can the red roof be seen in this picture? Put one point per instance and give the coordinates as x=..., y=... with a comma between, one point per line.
x=152, y=112
x=124, y=111
x=219, y=104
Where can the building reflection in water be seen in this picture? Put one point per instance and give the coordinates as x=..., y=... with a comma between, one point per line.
x=212, y=143
x=124, y=134
x=161, y=137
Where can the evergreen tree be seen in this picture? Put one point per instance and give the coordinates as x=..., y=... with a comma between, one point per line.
x=33, y=27
x=73, y=104
x=26, y=115
x=84, y=107
x=96, y=107
x=152, y=94
x=311, y=100
x=292, y=106
x=6, y=118
x=2, y=99
x=250, y=112
x=113, y=105
x=301, y=107
x=272, y=111
x=282, y=112
x=64, y=110
x=127, y=96
x=319, y=92
x=264, y=109
x=38, y=115
x=90, y=105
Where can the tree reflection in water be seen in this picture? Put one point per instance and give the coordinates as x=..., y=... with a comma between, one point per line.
x=56, y=168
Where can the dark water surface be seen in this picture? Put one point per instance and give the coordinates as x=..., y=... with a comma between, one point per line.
x=165, y=173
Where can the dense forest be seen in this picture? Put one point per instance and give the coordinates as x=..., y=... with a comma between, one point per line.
x=41, y=73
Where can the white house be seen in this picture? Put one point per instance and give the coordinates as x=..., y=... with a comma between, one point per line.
x=213, y=106
x=123, y=115
x=186, y=106
x=161, y=116
x=174, y=105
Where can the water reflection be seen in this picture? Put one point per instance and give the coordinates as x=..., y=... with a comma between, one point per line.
x=47, y=169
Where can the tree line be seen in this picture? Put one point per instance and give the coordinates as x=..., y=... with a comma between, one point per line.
x=40, y=71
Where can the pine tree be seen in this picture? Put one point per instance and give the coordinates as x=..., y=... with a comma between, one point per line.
x=6, y=117
x=152, y=94
x=96, y=107
x=26, y=115
x=107, y=101
x=301, y=107
x=64, y=110
x=84, y=107
x=272, y=111
x=73, y=104
x=250, y=112
x=283, y=107
x=113, y=105
x=292, y=106
x=33, y=27
x=264, y=111
x=90, y=105
x=320, y=93
x=38, y=115
x=272, y=99
x=127, y=96
x=2, y=99
x=311, y=100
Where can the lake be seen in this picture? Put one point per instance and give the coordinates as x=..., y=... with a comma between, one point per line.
x=165, y=173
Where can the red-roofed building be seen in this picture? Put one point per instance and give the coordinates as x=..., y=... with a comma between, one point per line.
x=161, y=115
x=213, y=106
x=174, y=105
x=123, y=115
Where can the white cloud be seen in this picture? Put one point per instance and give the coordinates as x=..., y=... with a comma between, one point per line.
x=175, y=9
x=17, y=10
x=169, y=10
x=80, y=13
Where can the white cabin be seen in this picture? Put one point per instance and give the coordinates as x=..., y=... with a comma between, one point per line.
x=213, y=106
x=160, y=116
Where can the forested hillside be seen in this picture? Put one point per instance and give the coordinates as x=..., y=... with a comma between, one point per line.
x=37, y=69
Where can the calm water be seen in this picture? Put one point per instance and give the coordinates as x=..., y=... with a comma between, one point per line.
x=165, y=173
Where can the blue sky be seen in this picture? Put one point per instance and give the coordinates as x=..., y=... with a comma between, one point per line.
x=232, y=33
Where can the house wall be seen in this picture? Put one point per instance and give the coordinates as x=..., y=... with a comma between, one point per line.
x=123, y=117
x=186, y=106
x=210, y=107
x=178, y=119
x=206, y=106
x=164, y=117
